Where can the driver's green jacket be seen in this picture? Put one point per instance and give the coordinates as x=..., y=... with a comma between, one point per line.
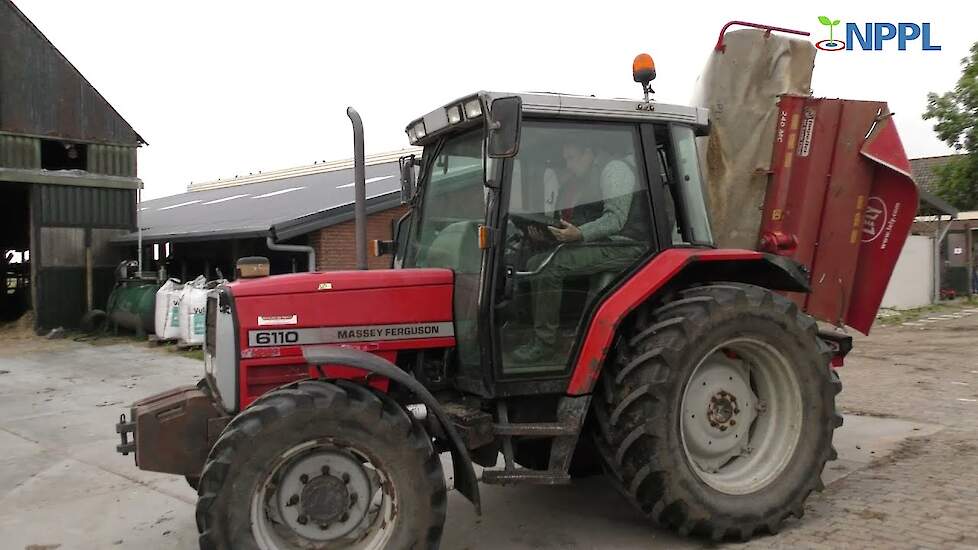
x=617, y=186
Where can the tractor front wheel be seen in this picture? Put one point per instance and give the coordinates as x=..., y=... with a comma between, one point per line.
x=716, y=415
x=322, y=465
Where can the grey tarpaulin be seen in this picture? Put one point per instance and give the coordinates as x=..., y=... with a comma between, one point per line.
x=740, y=86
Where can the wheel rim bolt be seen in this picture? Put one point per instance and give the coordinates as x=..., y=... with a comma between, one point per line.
x=325, y=470
x=293, y=500
x=723, y=428
x=304, y=479
x=324, y=526
x=733, y=422
x=302, y=520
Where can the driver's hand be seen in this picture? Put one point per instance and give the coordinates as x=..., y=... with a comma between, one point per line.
x=567, y=232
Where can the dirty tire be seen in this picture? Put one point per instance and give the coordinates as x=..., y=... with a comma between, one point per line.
x=314, y=410
x=639, y=400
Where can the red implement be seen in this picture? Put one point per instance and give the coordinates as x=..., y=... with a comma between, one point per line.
x=840, y=200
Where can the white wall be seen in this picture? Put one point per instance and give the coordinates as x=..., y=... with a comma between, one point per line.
x=912, y=283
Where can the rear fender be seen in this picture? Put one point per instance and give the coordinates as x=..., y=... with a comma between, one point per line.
x=672, y=269
x=465, y=479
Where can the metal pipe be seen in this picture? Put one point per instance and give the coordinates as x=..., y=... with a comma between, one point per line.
x=272, y=245
x=721, y=47
x=360, y=187
x=139, y=231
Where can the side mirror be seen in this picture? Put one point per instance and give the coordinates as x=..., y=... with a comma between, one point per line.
x=504, y=120
x=407, y=164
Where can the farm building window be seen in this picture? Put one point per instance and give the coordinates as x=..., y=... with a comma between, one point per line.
x=62, y=155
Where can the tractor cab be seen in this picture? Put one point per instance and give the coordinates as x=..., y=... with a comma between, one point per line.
x=540, y=204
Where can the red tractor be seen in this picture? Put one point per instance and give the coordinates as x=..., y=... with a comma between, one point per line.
x=556, y=300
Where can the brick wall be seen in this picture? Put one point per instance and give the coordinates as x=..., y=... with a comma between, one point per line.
x=336, y=245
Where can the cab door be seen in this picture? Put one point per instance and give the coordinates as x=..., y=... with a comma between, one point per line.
x=576, y=216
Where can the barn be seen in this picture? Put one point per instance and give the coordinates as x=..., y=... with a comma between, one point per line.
x=68, y=182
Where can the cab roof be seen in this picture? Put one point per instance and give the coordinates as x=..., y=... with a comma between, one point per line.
x=562, y=106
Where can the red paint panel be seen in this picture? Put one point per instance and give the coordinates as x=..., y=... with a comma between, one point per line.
x=261, y=375
x=348, y=308
x=650, y=278
x=802, y=153
x=300, y=283
x=831, y=190
x=837, y=254
x=351, y=298
x=889, y=215
x=378, y=348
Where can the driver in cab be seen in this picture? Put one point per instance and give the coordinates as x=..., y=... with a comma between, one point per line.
x=598, y=218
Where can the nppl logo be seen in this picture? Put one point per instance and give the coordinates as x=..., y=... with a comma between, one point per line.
x=871, y=36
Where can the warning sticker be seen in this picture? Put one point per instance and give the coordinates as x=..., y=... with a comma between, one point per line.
x=807, y=129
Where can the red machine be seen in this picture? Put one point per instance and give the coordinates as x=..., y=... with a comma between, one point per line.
x=557, y=302
x=840, y=201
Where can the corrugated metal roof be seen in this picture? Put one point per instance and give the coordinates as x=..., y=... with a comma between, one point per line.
x=315, y=168
x=284, y=207
x=44, y=95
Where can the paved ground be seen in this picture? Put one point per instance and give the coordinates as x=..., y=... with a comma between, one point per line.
x=907, y=475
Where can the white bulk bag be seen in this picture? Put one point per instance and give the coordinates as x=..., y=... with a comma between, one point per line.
x=193, y=308
x=167, y=314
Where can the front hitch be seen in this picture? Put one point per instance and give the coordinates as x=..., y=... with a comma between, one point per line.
x=173, y=431
x=124, y=428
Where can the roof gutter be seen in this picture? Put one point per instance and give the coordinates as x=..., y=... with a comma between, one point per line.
x=272, y=245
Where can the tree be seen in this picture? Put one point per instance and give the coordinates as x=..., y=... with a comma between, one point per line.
x=956, y=113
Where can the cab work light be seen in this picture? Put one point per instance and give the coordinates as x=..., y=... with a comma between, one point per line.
x=473, y=108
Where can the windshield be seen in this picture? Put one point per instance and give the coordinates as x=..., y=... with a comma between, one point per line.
x=446, y=231
x=453, y=204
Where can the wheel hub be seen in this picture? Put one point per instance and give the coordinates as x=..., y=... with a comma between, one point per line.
x=721, y=410
x=324, y=499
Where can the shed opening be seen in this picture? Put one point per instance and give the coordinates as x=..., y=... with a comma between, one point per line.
x=15, y=256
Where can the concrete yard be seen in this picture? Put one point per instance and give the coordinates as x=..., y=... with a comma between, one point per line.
x=907, y=474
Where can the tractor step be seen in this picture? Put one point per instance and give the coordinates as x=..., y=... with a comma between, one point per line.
x=523, y=476
x=473, y=425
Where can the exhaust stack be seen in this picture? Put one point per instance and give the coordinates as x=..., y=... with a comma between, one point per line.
x=360, y=188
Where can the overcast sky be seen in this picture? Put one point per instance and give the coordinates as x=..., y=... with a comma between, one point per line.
x=225, y=88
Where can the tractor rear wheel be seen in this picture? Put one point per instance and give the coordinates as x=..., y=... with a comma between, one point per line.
x=322, y=465
x=715, y=416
